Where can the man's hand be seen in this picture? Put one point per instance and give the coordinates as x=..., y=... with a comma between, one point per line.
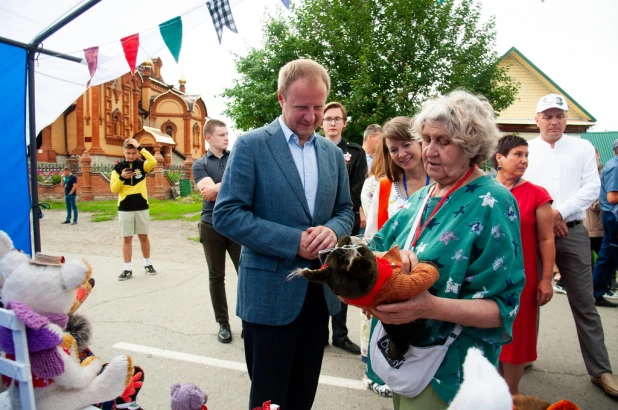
x=133, y=141
x=127, y=173
x=557, y=217
x=363, y=219
x=561, y=231
x=320, y=237
x=209, y=194
x=302, y=248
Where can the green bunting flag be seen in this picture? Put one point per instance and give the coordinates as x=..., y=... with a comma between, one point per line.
x=171, y=31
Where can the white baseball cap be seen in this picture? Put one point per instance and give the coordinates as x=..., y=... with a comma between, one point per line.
x=552, y=101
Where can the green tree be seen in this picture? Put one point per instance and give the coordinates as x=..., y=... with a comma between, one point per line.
x=385, y=57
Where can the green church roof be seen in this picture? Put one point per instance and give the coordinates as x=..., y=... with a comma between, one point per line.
x=603, y=142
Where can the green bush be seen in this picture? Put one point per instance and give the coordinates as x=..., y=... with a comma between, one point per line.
x=55, y=179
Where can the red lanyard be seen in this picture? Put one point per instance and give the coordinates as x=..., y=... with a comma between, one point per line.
x=419, y=229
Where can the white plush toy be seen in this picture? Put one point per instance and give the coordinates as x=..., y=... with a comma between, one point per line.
x=41, y=292
x=483, y=388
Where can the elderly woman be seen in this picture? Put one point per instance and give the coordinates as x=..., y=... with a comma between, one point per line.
x=467, y=224
x=537, y=233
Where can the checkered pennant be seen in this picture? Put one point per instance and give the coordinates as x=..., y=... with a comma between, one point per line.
x=221, y=14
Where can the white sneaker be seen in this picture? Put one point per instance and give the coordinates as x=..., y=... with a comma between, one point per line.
x=611, y=295
x=559, y=289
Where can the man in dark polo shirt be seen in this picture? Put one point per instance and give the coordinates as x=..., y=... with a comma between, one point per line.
x=334, y=121
x=207, y=173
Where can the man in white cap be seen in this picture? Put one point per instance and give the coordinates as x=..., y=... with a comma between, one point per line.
x=567, y=168
x=605, y=268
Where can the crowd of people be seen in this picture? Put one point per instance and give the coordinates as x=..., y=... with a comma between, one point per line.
x=285, y=194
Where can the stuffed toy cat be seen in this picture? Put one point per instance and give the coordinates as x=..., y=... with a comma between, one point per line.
x=361, y=279
x=41, y=291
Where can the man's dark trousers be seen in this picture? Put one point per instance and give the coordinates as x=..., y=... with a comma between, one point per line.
x=215, y=245
x=340, y=327
x=284, y=362
x=69, y=200
x=607, y=259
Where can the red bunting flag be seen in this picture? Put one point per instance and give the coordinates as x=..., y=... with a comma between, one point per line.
x=130, y=45
x=92, y=58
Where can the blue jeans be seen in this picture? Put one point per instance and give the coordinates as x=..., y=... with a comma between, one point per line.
x=607, y=259
x=70, y=203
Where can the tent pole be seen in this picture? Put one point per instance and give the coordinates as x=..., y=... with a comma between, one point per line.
x=63, y=22
x=34, y=184
x=32, y=51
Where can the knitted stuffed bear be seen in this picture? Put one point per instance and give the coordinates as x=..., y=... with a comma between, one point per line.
x=41, y=292
x=188, y=397
x=361, y=279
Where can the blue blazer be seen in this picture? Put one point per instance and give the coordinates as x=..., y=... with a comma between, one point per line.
x=261, y=205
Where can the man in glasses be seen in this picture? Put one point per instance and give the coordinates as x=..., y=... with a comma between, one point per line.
x=333, y=124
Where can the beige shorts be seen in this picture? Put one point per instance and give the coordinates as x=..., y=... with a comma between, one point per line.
x=134, y=222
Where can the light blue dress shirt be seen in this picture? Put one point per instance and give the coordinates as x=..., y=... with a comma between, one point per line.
x=306, y=161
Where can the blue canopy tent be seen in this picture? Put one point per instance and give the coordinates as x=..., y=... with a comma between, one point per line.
x=15, y=204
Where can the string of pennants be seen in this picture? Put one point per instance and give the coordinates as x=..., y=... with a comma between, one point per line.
x=171, y=31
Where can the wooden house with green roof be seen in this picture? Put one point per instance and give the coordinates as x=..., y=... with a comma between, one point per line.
x=603, y=142
x=534, y=84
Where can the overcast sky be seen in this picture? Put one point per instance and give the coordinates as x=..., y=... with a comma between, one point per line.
x=574, y=42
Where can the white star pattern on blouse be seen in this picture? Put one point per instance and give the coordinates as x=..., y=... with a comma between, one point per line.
x=514, y=311
x=496, y=232
x=421, y=248
x=480, y=294
x=451, y=287
x=476, y=227
x=511, y=213
x=498, y=263
x=459, y=255
x=488, y=200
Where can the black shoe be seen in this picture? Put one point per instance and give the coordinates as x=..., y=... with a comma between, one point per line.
x=224, y=335
x=126, y=274
x=65, y=222
x=605, y=303
x=150, y=270
x=347, y=345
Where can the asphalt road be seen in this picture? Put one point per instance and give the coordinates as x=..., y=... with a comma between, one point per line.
x=165, y=322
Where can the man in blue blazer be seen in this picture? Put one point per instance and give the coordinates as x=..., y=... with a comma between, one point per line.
x=284, y=197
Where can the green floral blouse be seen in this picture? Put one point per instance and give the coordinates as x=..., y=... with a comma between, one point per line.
x=474, y=240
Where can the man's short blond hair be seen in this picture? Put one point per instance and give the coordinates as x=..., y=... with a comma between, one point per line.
x=302, y=68
x=210, y=126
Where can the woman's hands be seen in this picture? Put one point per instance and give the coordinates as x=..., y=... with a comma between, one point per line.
x=407, y=311
x=408, y=259
x=545, y=291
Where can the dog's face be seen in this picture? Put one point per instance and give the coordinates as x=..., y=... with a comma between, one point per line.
x=350, y=270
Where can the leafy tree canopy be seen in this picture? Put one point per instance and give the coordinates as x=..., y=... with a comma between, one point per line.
x=385, y=57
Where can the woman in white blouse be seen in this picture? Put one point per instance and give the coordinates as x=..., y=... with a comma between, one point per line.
x=404, y=172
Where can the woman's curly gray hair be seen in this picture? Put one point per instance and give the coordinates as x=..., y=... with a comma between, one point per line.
x=468, y=119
